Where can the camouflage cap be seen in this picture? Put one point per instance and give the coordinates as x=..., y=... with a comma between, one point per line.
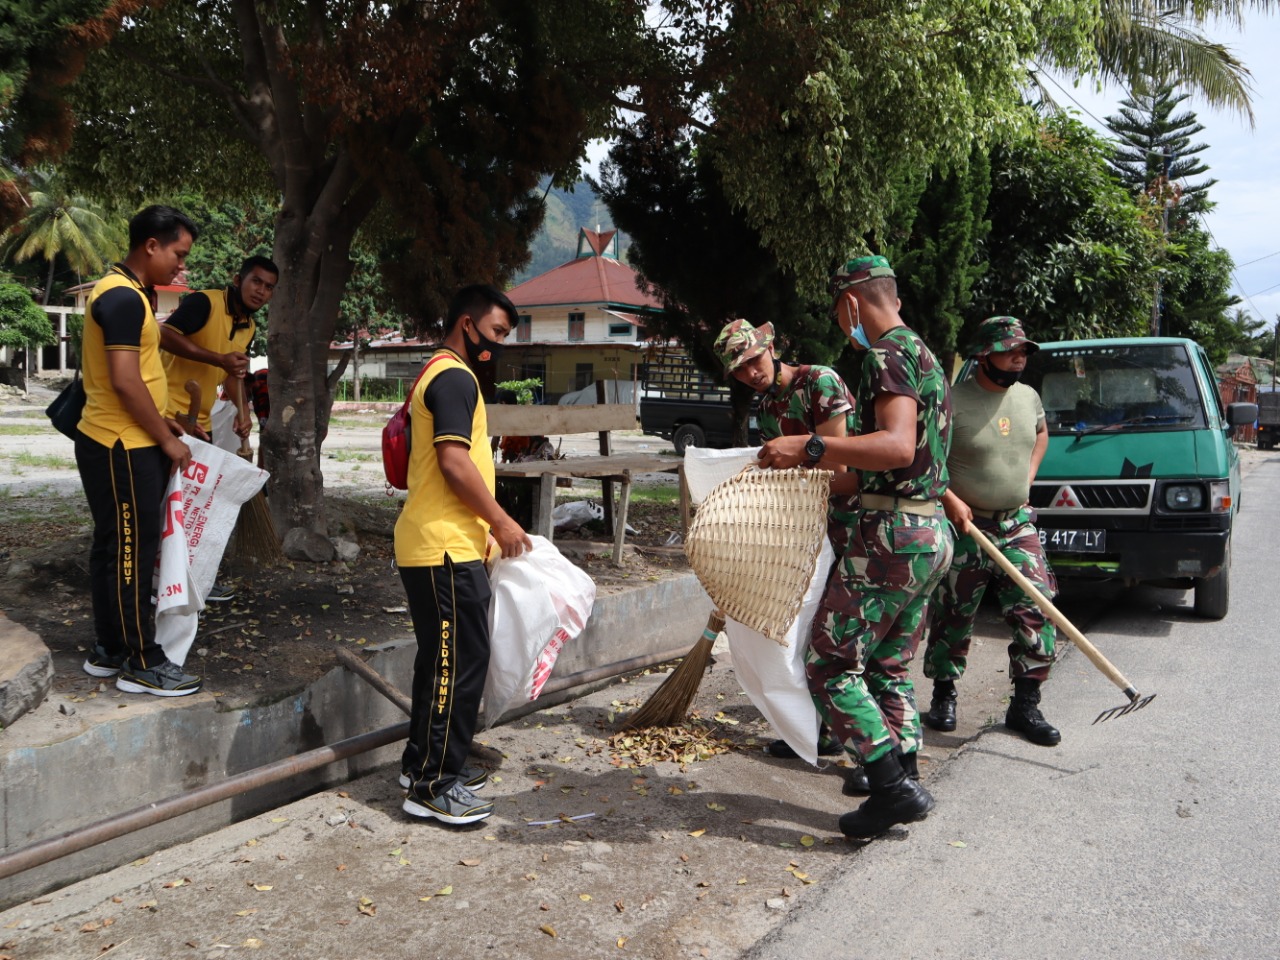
x=1000, y=335
x=739, y=342
x=857, y=270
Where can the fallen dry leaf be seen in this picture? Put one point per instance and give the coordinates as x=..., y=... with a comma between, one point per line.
x=262, y=887
x=807, y=841
x=619, y=906
x=698, y=833
x=176, y=883
x=584, y=897
x=469, y=863
x=445, y=891
x=253, y=943
x=957, y=843
x=622, y=942
x=549, y=930
x=366, y=906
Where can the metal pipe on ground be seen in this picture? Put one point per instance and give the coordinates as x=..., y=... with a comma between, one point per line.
x=81, y=838
x=73, y=841
x=555, y=685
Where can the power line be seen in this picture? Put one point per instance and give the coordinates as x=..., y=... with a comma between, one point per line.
x=1260, y=259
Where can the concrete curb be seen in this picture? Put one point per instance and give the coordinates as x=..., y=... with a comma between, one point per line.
x=26, y=671
x=114, y=755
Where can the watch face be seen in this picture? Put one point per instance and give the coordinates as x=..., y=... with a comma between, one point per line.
x=815, y=448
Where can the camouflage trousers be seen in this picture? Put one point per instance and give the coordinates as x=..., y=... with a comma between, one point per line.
x=867, y=629
x=1032, y=651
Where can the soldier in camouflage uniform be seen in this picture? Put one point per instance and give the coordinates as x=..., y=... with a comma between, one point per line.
x=874, y=612
x=798, y=401
x=999, y=439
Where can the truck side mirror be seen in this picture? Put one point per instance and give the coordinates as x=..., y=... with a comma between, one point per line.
x=1238, y=414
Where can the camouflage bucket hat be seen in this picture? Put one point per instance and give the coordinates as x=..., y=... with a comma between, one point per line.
x=1000, y=335
x=857, y=270
x=739, y=342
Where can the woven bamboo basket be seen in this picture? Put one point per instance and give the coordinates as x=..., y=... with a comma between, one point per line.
x=754, y=541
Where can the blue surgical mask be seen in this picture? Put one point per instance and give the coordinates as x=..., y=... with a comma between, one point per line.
x=858, y=336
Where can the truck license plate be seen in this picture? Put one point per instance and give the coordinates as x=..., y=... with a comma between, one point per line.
x=1074, y=541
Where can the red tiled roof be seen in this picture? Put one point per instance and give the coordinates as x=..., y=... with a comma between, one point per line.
x=586, y=279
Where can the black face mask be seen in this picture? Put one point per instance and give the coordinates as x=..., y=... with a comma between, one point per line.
x=1001, y=378
x=484, y=353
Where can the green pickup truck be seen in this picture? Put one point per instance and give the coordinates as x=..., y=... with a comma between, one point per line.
x=1141, y=481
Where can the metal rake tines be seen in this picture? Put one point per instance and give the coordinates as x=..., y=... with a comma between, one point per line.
x=1136, y=702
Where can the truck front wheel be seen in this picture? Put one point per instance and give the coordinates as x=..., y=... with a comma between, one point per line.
x=1213, y=594
x=687, y=435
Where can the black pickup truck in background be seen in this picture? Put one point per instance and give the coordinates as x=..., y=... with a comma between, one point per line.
x=682, y=404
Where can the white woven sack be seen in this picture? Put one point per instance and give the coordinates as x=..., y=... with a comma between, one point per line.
x=707, y=467
x=754, y=541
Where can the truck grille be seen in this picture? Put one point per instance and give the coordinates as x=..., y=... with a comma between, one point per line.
x=1093, y=495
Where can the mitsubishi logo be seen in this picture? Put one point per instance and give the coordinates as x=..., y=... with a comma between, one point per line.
x=1066, y=498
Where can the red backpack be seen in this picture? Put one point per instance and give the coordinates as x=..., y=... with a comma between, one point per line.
x=396, y=437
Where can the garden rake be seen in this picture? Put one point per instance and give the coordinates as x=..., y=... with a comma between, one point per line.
x=1136, y=700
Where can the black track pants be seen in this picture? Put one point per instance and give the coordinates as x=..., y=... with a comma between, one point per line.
x=125, y=490
x=450, y=609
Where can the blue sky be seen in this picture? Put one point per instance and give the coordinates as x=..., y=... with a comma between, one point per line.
x=1245, y=161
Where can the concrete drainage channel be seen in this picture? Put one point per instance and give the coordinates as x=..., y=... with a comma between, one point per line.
x=109, y=760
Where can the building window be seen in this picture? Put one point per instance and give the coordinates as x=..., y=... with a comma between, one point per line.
x=584, y=376
x=524, y=328
x=620, y=329
x=577, y=326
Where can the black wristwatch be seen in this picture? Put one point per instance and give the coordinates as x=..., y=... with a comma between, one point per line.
x=815, y=449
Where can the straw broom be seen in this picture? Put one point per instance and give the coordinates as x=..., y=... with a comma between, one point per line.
x=255, y=534
x=669, y=704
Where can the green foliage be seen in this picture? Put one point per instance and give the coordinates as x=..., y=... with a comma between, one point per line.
x=63, y=227
x=1195, y=294
x=42, y=45
x=933, y=248
x=1149, y=133
x=1069, y=252
x=523, y=389
x=22, y=322
x=842, y=100
x=703, y=259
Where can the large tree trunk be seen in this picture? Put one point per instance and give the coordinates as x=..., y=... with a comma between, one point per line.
x=314, y=268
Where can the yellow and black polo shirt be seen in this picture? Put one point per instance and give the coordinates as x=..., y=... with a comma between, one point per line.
x=209, y=318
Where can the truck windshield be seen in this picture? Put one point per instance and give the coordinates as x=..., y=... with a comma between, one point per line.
x=1116, y=388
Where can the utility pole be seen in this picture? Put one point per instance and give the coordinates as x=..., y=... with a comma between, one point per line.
x=1166, y=198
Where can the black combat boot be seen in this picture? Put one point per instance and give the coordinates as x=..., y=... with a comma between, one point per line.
x=1024, y=715
x=855, y=783
x=895, y=798
x=942, y=712
x=910, y=765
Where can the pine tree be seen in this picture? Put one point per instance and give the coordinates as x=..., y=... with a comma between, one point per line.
x=1150, y=136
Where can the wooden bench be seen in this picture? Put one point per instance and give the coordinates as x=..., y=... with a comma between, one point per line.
x=557, y=421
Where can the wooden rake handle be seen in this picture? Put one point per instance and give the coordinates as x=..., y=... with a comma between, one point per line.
x=242, y=412
x=1054, y=614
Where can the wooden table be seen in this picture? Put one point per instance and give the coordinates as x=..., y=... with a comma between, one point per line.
x=608, y=469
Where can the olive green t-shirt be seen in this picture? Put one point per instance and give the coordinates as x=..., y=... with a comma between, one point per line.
x=992, y=435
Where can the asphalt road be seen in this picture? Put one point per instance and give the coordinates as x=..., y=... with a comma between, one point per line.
x=1155, y=835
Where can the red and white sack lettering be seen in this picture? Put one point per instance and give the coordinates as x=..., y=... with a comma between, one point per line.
x=201, y=506
x=540, y=602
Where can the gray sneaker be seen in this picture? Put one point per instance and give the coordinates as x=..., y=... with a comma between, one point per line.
x=456, y=805
x=99, y=663
x=473, y=778
x=165, y=680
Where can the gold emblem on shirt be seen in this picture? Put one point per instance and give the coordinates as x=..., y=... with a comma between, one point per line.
x=1004, y=425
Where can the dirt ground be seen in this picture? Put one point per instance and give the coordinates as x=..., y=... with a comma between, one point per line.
x=281, y=630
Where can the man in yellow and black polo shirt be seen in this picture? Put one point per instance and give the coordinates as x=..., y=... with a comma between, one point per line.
x=445, y=532
x=207, y=340
x=126, y=450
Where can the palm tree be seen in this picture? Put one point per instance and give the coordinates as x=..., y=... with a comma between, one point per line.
x=67, y=225
x=1142, y=43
